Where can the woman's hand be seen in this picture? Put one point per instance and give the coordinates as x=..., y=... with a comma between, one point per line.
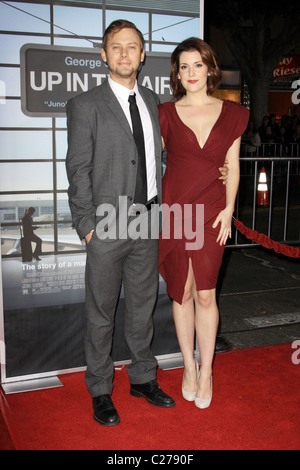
x=224, y=218
x=224, y=172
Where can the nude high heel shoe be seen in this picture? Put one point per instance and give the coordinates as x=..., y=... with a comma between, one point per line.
x=204, y=403
x=190, y=396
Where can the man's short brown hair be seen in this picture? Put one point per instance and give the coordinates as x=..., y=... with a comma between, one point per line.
x=117, y=26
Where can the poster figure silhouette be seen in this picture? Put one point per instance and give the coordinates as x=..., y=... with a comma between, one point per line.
x=29, y=236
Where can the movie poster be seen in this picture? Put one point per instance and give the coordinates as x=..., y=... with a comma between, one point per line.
x=43, y=259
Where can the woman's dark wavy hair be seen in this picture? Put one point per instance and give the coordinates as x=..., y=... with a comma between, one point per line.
x=209, y=58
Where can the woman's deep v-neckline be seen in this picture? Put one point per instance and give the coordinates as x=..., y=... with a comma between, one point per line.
x=191, y=130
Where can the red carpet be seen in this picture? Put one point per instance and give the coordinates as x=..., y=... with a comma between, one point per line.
x=6, y=442
x=256, y=405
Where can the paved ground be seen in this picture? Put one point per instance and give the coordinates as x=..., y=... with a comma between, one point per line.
x=259, y=298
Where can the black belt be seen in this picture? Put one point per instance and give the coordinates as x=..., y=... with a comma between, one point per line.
x=150, y=203
x=137, y=209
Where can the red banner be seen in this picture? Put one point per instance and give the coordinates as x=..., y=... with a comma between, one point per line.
x=288, y=67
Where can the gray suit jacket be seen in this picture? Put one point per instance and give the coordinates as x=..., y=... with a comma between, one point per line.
x=101, y=153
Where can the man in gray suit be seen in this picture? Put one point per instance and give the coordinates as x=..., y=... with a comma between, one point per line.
x=103, y=163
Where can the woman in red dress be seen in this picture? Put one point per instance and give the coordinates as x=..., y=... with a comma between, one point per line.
x=200, y=132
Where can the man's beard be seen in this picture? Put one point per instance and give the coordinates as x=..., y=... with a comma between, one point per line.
x=126, y=73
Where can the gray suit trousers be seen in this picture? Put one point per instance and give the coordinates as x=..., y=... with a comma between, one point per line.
x=135, y=262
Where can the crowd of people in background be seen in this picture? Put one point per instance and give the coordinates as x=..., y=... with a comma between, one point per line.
x=286, y=132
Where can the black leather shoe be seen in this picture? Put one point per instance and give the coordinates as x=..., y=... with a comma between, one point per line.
x=104, y=411
x=153, y=394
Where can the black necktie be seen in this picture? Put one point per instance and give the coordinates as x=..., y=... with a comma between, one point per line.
x=141, y=177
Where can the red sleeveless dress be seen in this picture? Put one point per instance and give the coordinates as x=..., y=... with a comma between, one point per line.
x=192, y=178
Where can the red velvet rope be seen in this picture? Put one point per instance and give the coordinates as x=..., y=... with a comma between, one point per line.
x=262, y=239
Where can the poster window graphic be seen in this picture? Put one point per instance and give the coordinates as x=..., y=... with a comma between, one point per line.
x=43, y=296
x=51, y=75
